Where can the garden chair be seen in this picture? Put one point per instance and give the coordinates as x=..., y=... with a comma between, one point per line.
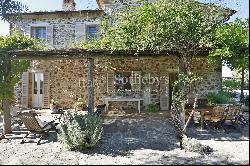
x=216, y=117
x=233, y=115
x=36, y=126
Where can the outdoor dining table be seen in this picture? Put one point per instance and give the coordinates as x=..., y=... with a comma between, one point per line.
x=202, y=111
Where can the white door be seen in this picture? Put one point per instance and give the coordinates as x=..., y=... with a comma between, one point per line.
x=38, y=90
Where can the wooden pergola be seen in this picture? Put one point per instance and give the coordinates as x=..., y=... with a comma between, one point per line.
x=90, y=55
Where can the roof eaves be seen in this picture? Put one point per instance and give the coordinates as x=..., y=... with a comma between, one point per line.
x=56, y=12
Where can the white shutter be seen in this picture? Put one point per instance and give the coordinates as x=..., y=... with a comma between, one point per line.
x=164, y=92
x=79, y=32
x=110, y=82
x=49, y=34
x=46, y=88
x=25, y=90
x=146, y=96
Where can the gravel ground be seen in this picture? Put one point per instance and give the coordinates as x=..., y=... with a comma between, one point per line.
x=134, y=139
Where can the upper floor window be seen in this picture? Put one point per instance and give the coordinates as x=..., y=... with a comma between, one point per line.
x=38, y=32
x=92, y=32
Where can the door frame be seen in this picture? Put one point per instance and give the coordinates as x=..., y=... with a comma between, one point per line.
x=32, y=71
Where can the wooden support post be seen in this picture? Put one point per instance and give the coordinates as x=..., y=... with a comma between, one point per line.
x=6, y=102
x=90, y=85
x=190, y=116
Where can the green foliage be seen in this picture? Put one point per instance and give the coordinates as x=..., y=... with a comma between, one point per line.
x=153, y=108
x=219, y=98
x=182, y=87
x=180, y=26
x=230, y=43
x=18, y=41
x=80, y=104
x=79, y=132
x=230, y=85
x=238, y=74
x=17, y=67
x=10, y=7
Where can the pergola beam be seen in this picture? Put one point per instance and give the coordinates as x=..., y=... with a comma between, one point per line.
x=85, y=54
x=90, y=55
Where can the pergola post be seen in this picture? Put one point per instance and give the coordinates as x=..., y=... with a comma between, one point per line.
x=6, y=104
x=90, y=86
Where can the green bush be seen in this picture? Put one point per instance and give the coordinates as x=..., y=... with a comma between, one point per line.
x=153, y=108
x=219, y=98
x=79, y=131
x=230, y=85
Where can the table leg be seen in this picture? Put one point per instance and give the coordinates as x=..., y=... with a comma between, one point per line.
x=107, y=106
x=202, y=120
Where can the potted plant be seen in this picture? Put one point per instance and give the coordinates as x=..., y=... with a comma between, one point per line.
x=80, y=105
x=54, y=105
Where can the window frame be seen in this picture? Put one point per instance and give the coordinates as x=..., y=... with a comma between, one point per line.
x=39, y=25
x=91, y=24
x=34, y=35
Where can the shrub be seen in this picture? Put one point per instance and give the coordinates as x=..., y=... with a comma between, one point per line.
x=193, y=145
x=80, y=131
x=153, y=108
x=230, y=85
x=219, y=98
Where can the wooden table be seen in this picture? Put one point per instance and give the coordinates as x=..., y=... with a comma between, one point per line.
x=202, y=112
x=107, y=99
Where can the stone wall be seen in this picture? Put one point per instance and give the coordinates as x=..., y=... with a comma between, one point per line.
x=68, y=78
x=63, y=30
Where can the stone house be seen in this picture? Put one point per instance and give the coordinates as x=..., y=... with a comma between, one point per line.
x=149, y=77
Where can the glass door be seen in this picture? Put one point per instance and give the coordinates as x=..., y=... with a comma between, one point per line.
x=38, y=90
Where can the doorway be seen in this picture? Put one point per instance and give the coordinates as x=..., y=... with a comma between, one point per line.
x=37, y=88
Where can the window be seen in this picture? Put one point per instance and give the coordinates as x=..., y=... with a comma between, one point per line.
x=122, y=83
x=92, y=32
x=38, y=32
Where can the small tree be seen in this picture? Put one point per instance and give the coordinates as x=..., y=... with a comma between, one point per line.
x=11, y=71
x=231, y=46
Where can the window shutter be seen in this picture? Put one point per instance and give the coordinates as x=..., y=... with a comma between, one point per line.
x=25, y=90
x=50, y=35
x=110, y=82
x=136, y=82
x=46, y=87
x=146, y=96
x=164, y=92
x=79, y=32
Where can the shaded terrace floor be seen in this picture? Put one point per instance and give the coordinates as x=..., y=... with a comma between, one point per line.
x=146, y=138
